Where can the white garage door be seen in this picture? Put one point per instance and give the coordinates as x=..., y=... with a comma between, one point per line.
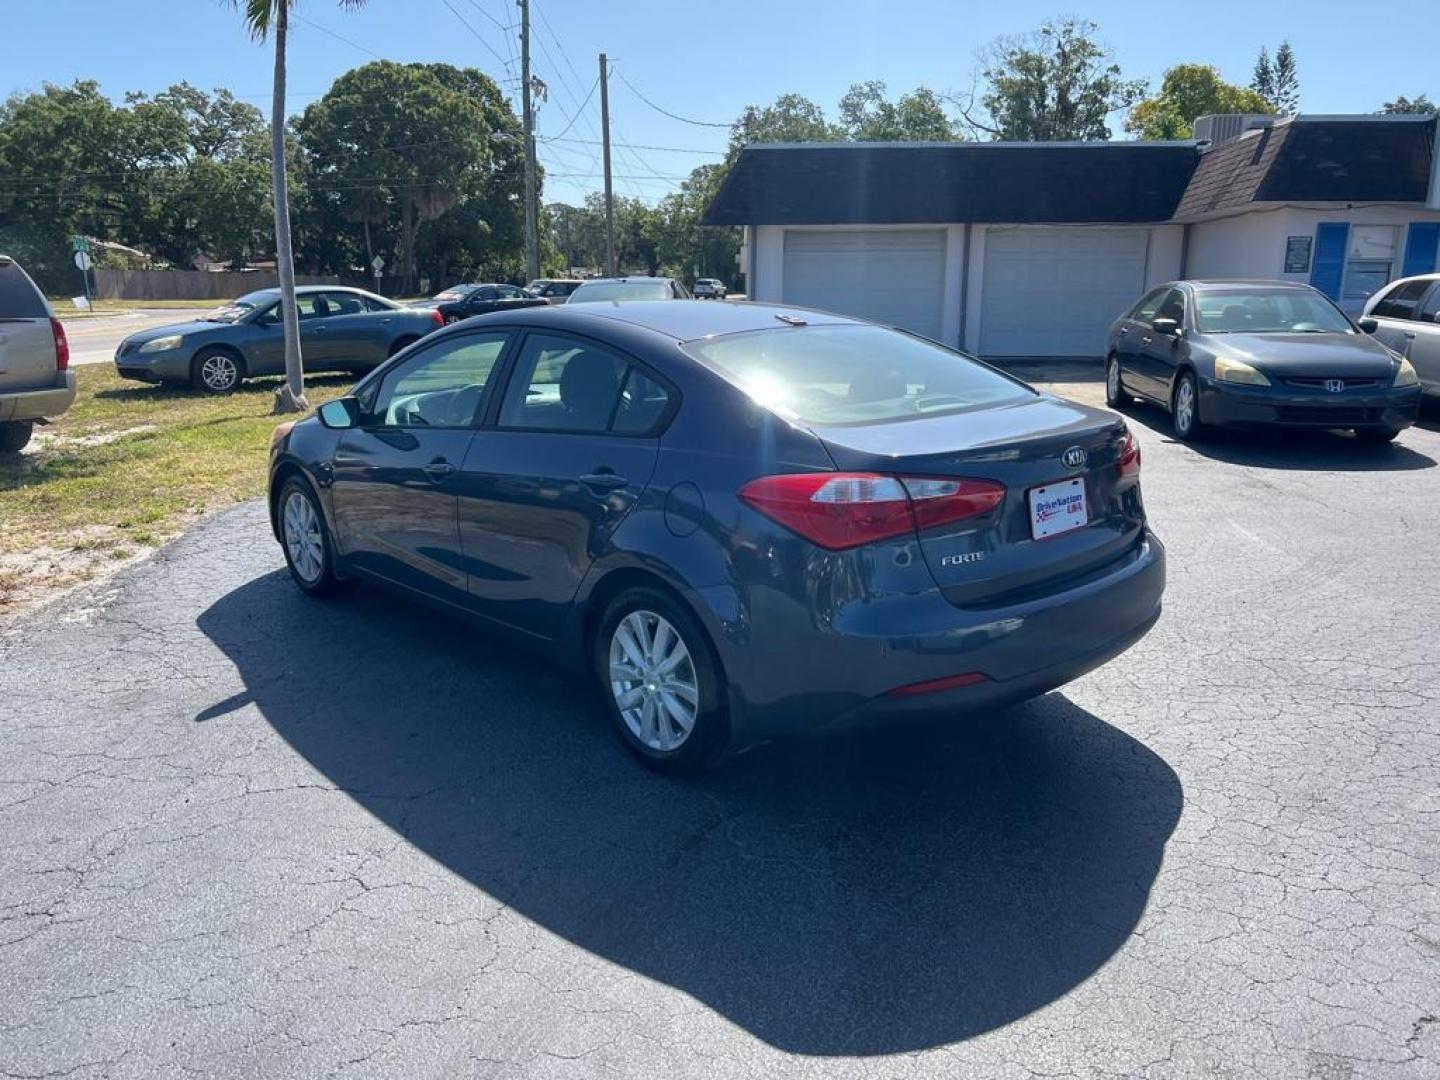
x=1055, y=292
x=894, y=276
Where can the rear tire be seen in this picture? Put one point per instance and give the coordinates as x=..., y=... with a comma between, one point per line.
x=1185, y=408
x=309, y=552
x=1115, y=395
x=660, y=683
x=1377, y=436
x=15, y=435
x=217, y=371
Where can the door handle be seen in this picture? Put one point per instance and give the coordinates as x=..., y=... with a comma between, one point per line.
x=438, y=470
x=604, y=481
x=1145, y=340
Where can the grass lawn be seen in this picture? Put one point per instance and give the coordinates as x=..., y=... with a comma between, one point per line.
x=127, y=468
x=66, y=312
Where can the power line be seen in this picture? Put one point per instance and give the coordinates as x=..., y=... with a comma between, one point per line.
x=476, y=34
x=338, y=37
x=578, y=113
x=667, y=112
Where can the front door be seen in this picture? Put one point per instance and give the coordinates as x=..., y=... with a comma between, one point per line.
x=543, y=491
x=394, y=490
x=1158, y=355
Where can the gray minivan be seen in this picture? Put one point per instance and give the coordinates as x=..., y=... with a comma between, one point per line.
x=36, y=382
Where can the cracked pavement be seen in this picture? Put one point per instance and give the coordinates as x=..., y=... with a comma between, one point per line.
x=244, y=833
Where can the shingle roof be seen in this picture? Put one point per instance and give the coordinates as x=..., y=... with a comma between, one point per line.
x=1302, y=159
x=897, y=183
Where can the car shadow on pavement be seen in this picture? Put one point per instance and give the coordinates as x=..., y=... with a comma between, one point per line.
x=865, y=894
x=1294, y=448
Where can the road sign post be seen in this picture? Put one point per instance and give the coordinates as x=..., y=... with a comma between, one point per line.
x=377, y=264
x=83, y=264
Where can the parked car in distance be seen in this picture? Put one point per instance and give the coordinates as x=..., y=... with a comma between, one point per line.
x=36, y=382
x=629, y=288
x=341, y=329
x=741, y=520
x=465, y=301
x=554, y=290
x=709, y=288
x=1405, y=318
x=1254, y=354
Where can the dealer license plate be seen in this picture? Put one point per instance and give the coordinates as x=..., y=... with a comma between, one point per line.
x=1057, y=508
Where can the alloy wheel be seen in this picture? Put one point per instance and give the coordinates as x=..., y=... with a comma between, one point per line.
x=218, y=372
x=1185, y=406
x=653, y=680
x=1112, y=380
x=303, y=540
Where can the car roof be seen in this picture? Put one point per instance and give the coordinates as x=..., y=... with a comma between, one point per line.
x=1204, y=284
x=686, y=320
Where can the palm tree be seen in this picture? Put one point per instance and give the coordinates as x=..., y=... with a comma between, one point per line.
x=263, y=17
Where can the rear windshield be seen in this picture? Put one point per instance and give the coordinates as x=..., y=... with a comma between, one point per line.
x=19, y=299
x=622, y=290
x=852, y=374
x=1267, y=311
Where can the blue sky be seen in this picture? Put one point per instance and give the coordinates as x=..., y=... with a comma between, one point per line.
x=702, y=59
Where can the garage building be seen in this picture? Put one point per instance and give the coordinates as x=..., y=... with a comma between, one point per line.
x=1032, y=249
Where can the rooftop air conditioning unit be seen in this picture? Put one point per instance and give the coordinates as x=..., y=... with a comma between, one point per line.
x=1220, y=128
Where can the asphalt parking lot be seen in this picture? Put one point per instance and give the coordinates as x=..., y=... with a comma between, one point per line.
x=250, y=834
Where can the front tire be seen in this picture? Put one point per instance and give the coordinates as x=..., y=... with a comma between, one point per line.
x=1115, y=395
x=1377, y=436
x=661, y=685
x=309, y=553
x=216, y=371
x=1185, y=408
x=15, y=435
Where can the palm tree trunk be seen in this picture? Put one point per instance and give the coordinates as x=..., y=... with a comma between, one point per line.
x=291, y=396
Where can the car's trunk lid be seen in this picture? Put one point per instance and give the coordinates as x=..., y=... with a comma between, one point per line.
x=996, y=557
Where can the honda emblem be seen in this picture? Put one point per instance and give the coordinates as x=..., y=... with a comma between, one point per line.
x=1335, y=385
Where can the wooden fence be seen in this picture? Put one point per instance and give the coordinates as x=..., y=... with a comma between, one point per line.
x=190, y=284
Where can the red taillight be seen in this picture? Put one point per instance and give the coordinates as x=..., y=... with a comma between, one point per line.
x=436, y=317
x=935, y=686
x=845, y=510
x=1128, y=460
x=62, y=345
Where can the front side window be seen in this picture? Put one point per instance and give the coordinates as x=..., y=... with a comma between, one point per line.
x=563, y=384
x=1267, y=311
x=442, y=386
x=1149, y=306
x=852, y=374
x=1172, y=306
x=1400, y=301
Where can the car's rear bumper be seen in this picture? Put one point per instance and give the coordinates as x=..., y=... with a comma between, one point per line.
x=790, y=674
x=41, y=403
x=1226, y=405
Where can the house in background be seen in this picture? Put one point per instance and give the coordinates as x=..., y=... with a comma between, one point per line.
x=1032, y=249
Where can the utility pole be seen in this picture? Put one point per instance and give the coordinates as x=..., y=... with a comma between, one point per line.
x=532, y=229
x=610, y=266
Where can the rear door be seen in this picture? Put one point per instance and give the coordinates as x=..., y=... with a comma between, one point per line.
x=27, y=341
x=543, y=490
x=355, y=337
x=1425, y=350
x=393, y=494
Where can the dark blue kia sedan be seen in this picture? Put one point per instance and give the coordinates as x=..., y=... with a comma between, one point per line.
x=740, y=520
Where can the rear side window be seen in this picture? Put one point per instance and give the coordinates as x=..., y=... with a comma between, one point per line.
x=1430, y=309
x=643, y=402
x=1399, y=302
x=852, y=374
x=19, y=298
x=562, y=384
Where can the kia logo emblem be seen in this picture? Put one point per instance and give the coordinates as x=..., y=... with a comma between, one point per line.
x=1073, y=458
x=1335, y=385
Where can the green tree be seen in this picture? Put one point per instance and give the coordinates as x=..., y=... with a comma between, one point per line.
x=867, y=115
x=264, y=18
x=1263, y=79
x=1403, y=105
x=1056, y=84
x=791, y=118
x=1186, y=92
x=421, y=142
x=1287, y=80
x=687, y=249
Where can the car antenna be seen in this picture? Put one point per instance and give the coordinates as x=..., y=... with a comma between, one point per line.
x=791, y=320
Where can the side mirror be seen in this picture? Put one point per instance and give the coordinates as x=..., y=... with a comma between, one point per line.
x=341, y=413
x=1368, y=325
x=1168, y=327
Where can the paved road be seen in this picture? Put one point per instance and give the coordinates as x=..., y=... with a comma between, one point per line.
x=93, y=341
x=248, y=834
